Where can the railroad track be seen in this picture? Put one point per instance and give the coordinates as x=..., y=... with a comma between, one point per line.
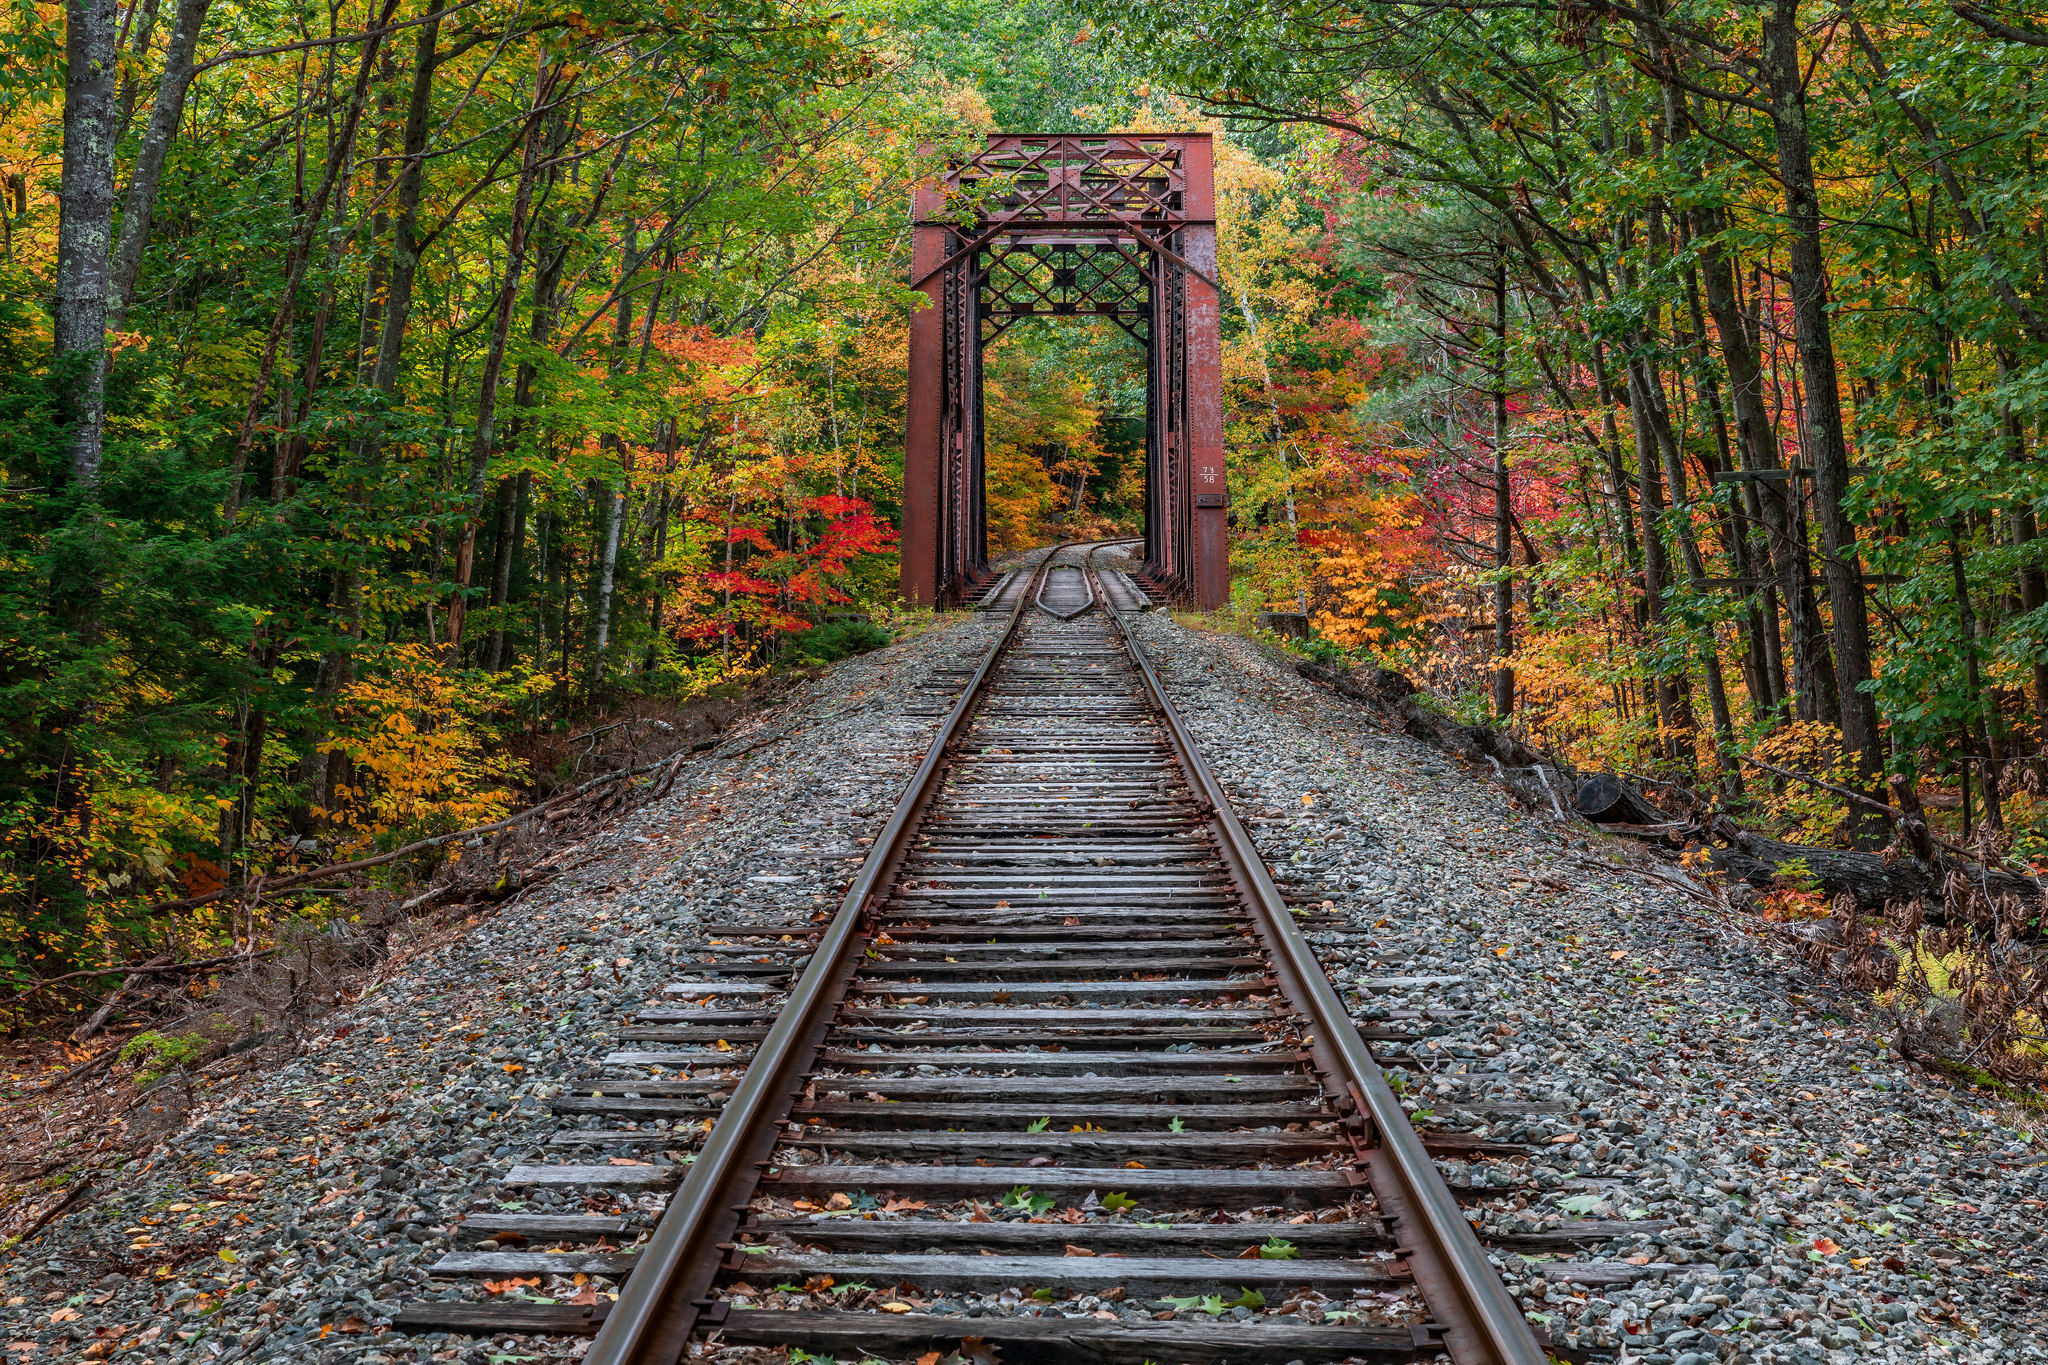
x=1061, y=1080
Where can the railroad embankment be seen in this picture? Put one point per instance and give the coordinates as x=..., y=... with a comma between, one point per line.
x=1813, y=1196
x=1790, y=1190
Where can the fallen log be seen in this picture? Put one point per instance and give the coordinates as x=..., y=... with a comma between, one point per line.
x=1758, y=861
x=1605, y=799
x=552, y=804
x=113, y=998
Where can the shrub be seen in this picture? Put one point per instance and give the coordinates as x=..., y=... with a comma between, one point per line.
x=836, y=640
x=156, y=1055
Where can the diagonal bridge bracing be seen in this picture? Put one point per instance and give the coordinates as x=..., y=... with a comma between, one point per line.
x=1115, y=225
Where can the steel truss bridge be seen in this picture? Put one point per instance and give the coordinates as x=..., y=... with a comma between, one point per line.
x=1113, y=225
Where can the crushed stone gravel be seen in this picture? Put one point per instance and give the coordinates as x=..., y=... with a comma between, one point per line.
x=291, y=1217
x=1814, y=1198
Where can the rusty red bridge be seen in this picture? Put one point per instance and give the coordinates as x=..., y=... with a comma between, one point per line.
x=1113, y=225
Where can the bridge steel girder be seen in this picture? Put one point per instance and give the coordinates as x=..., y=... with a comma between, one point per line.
x=1116, y=225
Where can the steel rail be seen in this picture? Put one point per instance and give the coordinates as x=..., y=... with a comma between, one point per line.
x=1480, y=1323
x=663, y=1299
x=1045, y=581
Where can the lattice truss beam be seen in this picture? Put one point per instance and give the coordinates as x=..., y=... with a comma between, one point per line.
x=1072, y=180
x=1110, y=278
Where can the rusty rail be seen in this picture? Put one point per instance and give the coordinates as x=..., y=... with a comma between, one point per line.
x=1478, y=1321
x=651, y=1322
x=1211, y=939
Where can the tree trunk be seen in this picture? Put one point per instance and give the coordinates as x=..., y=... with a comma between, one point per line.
x=405, y=252
x=329, y=770
x=137, y=31
x=1503, y=503
x=1605, y=799
x=2033, y=595
x=371, y=321
x=547, y=273
x=1869, y=877
x=1673, y=715
x=1757, y=442
x=1695, y=567
x=544, y=571
x=601, y=627
x=1860, y=735
x=85, y=226
x=1967, y=635
x=139, y=207
x=340, y=155
x=485, y=435
x=1617, y=468
x=510, y=532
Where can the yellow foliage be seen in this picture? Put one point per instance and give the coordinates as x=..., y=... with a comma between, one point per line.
x=1040, y=441
x=1363, y=569
x=1811, y=747
x=418, y=741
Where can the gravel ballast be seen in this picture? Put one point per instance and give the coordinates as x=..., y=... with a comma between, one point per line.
x=1809, y=1197
x=1824, y=1200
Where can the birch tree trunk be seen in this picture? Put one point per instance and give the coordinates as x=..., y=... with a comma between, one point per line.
x=615, y=505
x=85, y=227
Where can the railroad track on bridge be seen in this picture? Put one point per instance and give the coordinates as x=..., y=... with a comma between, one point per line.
x=1063, y=1039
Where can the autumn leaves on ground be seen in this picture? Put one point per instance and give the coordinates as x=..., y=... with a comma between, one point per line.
x=396, y=399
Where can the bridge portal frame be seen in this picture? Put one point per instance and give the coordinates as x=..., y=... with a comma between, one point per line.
x=1116, y=225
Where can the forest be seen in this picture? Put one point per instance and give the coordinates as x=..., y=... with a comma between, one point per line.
x=393, y=388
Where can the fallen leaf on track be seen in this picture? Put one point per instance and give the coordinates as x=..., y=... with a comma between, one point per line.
x=506, y=1286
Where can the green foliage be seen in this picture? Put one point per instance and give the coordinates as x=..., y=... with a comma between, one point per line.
x=1215, y=1304
x=1797, y=875
x=236, y=647
x=836, y=640
x=1029, y=62
x=157, y=1055
x=1021, y=1198
x=1550, y=169
x=1318, y=650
